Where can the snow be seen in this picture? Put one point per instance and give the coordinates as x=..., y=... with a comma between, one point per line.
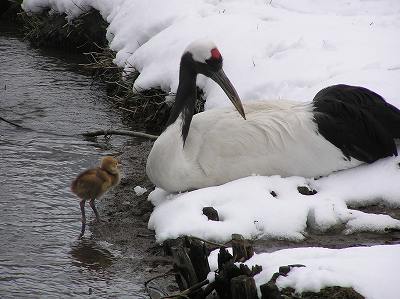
x=286, y=49
x=371, y=271
x=246, y=206
x=139, y=190
x=273, y=49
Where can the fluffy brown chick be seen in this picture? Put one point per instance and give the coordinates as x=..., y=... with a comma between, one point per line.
x=93, y=183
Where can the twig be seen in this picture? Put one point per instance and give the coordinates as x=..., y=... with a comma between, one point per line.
x=188, y=291
x=208, y=289
x=145, y=235
x=120, y=132
x=209, y=242
x=12, y=123
x=37, y=131
x=146, y=284
x=129, y=110
x=169, y=272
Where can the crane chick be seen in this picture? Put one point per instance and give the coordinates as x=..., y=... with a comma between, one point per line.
x=93, y=183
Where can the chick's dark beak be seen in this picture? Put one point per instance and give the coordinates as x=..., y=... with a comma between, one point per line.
x=222, y=80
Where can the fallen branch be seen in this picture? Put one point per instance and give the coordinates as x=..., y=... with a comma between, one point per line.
x=120, y=132
x=12, y=123
x=146, y=284
x=189, y=291
x=219, y=245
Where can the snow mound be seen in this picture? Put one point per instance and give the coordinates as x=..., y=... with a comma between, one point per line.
x=272, y=49
x=371, y=271
x=272, y=207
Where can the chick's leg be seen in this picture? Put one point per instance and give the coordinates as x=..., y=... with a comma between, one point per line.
x=92, y=205
x=83, y=219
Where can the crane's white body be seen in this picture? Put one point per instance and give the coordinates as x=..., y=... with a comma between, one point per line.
x=277, y=138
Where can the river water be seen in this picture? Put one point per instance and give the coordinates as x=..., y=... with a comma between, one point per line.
x=40, y=255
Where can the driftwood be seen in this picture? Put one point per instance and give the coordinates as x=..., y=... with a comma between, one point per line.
x=186, y=293
x=269, y=290
x=186, y=276
x=232, y=280
x=198, y=255
x=243, y=287
x=87, y=134
x=242, y=249
x=120, y=132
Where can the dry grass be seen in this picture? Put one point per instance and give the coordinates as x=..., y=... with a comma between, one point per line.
x=147, y=109
x=53, y=31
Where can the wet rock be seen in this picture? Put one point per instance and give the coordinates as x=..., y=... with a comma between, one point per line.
x=211, y=213
x=284, y=270
x=306, y=190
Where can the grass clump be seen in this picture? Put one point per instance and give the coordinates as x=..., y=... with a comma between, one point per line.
x=54, y=31
x=147, y=109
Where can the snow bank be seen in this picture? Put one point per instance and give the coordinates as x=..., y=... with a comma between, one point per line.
x=272, y=49
x=246, y=206
x=371, y=271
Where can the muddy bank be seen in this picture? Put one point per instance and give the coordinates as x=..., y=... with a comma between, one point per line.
x=125, y=216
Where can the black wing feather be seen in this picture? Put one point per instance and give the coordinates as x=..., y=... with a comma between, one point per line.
x=358, y=121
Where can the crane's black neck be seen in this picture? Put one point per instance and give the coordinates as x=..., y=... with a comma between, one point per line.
x=185, y=95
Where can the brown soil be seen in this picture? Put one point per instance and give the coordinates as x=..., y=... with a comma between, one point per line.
x=125, y=217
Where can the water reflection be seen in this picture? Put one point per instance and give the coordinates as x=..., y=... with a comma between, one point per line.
x=89, y=254
x=40, y=218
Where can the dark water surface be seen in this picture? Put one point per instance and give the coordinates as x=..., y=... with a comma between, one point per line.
x=40, y=255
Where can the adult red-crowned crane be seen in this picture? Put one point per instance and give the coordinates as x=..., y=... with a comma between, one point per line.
x=342, y=127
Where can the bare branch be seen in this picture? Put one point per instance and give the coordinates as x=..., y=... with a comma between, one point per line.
x=120, y=132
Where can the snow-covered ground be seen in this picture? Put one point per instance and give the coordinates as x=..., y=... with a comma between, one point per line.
x=246, y=206
x=273, y=49
x=371, y=271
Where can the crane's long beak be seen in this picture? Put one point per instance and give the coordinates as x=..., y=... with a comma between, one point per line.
x=230, y=91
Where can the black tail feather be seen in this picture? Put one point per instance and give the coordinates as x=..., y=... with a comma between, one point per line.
x=358, y=121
